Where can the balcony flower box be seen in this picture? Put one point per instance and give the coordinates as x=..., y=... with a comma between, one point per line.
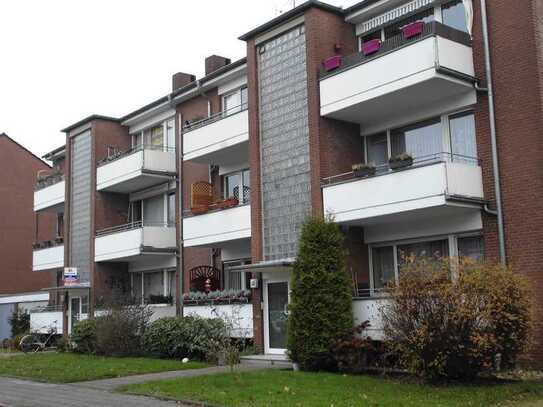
x=371, y=47
x=227, y=203
x=363, y=170
x=332, y=63
x=413, y=29
x=400, y=161
x=199, y=210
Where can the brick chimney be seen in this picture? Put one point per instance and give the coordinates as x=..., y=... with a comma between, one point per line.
x=215, y=62
x=181, y=79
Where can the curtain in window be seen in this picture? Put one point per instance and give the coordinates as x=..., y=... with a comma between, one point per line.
x=157, y=136
x=153, y=211
x=419, y=140
x=383, y=266
x=463, y=141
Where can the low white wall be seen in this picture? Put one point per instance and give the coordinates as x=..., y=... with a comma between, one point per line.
x=42, y=322
x=369, y=310
x=240, y=316
x=162, y=311
x=49, y=196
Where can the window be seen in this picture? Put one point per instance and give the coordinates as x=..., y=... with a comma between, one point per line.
x=235, y=102
x=156, y=135
x=60, y=224
x=435, y=249
x=377, y=146
x=153, y=211
x=235, y=182
x=383, y=266
x=471, y=247
x=395, y=29
x=171, y=208
x=386, y=261
x=135, y=212
x=454, y=15
x=236, y=280
x=153, y=284
x=419, y=140
x=170, y=134
x=137, y=139
x=463, y=142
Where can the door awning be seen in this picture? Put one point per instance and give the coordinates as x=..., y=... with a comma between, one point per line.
x=266, y=266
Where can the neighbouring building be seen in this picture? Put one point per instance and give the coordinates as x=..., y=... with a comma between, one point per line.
x=20, y=288
x=199, y=197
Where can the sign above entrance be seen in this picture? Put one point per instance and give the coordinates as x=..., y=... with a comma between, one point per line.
x=71, y=276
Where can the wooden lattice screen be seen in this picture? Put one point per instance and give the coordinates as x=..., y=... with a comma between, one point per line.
x=201, y=194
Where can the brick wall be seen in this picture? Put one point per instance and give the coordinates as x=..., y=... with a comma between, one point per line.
x=18, y=225
x=334, y=145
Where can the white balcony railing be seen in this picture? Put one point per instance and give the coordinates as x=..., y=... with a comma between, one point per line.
x=43, y=320
x=134, y=239
x=217, y=226
x=48, y=258
x=430, y=71
x=49, y=195
x=136, y=169
x=206, y=140
x=429, y=182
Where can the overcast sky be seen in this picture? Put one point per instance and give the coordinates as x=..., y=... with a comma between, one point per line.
x=62, y=60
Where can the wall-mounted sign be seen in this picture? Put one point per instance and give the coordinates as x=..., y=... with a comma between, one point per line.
x=71, y=276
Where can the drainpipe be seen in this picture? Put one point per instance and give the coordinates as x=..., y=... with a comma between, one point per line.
x=492, y=118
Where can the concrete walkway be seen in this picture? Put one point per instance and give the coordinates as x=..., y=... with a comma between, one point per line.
x=23, y=393
x=111, y=384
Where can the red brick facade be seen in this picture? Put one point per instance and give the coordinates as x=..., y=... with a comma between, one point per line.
x=18, y=229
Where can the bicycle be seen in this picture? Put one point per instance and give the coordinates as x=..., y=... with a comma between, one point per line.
x=33, y=342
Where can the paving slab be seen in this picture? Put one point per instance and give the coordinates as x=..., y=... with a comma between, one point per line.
x=111, y=384
x=23, y=393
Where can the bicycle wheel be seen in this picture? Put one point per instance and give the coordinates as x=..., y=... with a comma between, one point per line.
x=30, y=343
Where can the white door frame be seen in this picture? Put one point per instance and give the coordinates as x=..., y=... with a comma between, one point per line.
x=267, y=349
x=70, y=327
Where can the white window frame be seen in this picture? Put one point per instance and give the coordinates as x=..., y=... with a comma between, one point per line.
x=165, y=141
x=445, y=132
x=234, y=109
x=453, y=251
x=241, y=185
x=165, y=282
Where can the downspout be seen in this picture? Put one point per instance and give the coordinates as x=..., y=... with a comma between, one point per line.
x=493, y=139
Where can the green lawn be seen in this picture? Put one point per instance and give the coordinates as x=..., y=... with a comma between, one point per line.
x=70, y=367
x=287, y=388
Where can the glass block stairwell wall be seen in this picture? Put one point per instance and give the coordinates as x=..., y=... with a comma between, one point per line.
x=80, y=205
x=284, y=141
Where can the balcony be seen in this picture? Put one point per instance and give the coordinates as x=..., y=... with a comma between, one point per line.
x=219, y=140
x=442, y=183
x=128, y=242
x=49, y=192
x=427, y=72
x=45, y=319
x=48, y=255
x=212, y=220
x=136, y=169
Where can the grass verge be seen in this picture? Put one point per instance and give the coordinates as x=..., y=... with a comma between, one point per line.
x=287, y=388
x=71, y=367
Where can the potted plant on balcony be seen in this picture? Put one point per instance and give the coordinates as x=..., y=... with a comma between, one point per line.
x=400, y=161
x=363, y=170
x=227, y=203
x=199, y=210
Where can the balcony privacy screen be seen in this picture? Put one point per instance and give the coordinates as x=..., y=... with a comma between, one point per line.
x=284, y=135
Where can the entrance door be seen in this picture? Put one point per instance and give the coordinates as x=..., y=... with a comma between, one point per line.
x=75, y=309
x=275, y=316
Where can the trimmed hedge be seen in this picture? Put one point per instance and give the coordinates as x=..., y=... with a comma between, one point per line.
x=192, y=337
x=321, y=296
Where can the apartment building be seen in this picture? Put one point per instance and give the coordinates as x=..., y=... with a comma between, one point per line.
x=20, y=288
x=205, y=189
